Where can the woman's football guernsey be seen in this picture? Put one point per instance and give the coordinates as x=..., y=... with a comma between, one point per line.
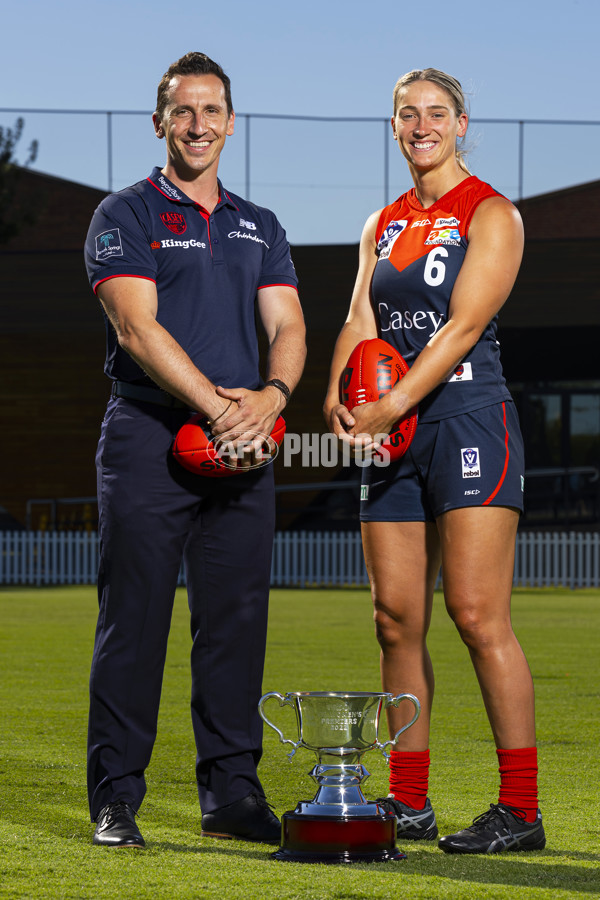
x=420, y=252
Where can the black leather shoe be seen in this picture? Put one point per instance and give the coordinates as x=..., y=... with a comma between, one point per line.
x=116, y=826
x=249, y=819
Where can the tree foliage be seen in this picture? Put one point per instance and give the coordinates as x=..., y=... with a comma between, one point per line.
x=14, y=214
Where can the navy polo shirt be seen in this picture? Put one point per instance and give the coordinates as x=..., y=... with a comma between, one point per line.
x=207, y=270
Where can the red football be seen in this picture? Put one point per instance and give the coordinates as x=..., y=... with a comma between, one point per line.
x=197, y=450
x=372, y=370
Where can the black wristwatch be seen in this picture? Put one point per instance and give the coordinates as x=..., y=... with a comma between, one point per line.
x=281, y=386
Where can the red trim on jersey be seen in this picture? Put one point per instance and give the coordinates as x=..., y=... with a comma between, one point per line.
x=122, y=275
x=293, y=286
x=506, y=458
x=230, y=200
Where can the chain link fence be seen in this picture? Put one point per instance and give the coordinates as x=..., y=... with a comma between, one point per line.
x=322, y=175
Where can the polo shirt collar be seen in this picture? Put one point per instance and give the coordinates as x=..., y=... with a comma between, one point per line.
x=168, y=189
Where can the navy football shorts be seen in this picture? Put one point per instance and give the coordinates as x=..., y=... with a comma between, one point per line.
x=473, y=459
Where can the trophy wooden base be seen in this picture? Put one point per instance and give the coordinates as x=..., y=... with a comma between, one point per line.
x=338, y=839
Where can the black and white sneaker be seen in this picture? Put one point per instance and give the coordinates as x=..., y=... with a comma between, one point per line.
x=413, y=824
x=495, y=831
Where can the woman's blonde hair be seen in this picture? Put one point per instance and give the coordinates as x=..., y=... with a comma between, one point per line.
x=449, y=84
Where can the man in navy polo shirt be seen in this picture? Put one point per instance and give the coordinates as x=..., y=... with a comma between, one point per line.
x=180, y=265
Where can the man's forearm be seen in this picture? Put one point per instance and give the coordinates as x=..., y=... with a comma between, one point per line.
x=287, y=355
x=169, y=366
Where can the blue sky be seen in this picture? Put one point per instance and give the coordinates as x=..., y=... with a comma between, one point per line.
x=525, y=60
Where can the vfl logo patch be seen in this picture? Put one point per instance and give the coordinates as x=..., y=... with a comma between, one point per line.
x=471, y=467
x=174, y=221
x=389, y=237
x=108, y=244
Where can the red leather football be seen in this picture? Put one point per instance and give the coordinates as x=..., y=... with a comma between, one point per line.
x=372, y=370
x=198, y=451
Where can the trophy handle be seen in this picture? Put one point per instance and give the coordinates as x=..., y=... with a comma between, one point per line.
x=283, y=701
x=394, y=701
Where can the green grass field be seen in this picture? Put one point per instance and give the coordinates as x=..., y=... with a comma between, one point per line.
x=318, y=640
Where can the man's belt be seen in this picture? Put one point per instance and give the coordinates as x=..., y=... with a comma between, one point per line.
x=146, y=394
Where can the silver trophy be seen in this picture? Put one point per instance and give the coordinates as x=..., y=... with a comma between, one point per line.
x=339, y=824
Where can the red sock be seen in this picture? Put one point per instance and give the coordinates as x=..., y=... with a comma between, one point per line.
x=518, y=780
x=409, y=777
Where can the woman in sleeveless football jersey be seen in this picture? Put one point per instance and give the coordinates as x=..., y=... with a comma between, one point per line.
x=435, y=268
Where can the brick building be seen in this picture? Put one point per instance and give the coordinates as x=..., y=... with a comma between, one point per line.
x=53, y=391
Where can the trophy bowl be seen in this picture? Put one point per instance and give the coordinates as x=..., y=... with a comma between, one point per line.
x=339, y=824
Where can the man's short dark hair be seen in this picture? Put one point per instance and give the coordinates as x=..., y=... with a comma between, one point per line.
x=193, y=63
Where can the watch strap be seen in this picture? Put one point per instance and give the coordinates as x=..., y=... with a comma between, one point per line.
x=281, y=386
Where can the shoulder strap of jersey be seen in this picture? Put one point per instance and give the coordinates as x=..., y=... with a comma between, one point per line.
x=388, y=213
x=479, y=191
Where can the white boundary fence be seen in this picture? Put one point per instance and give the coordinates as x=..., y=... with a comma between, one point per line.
x=300, y=559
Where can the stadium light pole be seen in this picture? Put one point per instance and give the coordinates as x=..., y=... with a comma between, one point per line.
x=386, y=164
x=109, y=150
x=247, y=156
x=521, y=155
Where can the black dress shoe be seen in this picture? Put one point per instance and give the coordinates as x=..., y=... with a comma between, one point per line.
x=116, y=826
x=249, y=819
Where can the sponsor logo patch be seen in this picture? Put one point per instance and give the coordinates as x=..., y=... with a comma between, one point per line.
x=168, y=188
x=421, y=320
x=364, y=492
x=446, y=223
x=248, y=237
x=463, y=372
x=443, y=236
x=174, y=221
x=185, y=245
x=471, y=464
x=389, y=237
x=109, y=244
x=250, y=225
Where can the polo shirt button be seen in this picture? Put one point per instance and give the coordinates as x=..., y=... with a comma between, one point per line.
x=216, y=241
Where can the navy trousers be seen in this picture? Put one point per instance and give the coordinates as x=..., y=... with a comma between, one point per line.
x=153, y=515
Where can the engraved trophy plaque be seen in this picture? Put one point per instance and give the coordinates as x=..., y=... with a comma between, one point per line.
x=339, y=824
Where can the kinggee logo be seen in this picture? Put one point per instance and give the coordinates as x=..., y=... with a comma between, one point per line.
x=185, y=245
